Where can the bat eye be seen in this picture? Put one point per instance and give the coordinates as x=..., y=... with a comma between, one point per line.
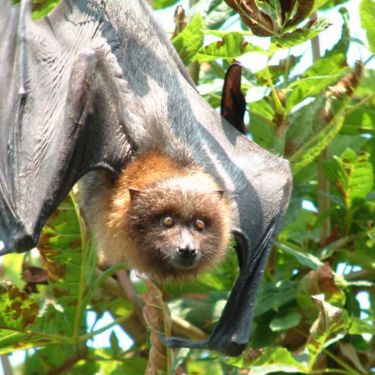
x=167, y=221
x=199, y=224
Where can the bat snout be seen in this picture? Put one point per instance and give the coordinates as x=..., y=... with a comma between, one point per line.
x=186, y=256
x=187, y=252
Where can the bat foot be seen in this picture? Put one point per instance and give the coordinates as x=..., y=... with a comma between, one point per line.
x=224, y=346
x=177, y=342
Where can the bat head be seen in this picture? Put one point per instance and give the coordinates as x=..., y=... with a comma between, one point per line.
x=180, y=225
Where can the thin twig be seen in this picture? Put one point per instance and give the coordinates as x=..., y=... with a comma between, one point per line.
x=365, y=275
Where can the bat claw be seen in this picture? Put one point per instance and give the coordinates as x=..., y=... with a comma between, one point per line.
x=230, y=348
x=177, y=342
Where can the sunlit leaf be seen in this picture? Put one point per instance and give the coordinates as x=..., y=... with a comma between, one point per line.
x=190, y=40
x=367, y=14
x=324, y=72
x=231, y=45
x=312, y=149
x=358, y=326
x=300, y=35
x=307, y=260
x=275, y=359
x=41, y=8
x=352, y=174
x=159, y=4
x=70, y=262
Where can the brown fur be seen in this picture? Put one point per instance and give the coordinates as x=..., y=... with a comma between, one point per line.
x=128, y=226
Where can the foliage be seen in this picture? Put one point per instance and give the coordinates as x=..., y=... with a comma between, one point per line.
x=309, y=318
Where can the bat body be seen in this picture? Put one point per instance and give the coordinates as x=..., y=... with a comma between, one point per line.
x=163, y=216
x=83, y=90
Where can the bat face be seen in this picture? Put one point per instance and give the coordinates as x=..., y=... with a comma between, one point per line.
x=179, y=229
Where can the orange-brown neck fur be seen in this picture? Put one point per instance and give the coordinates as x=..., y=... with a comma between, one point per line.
x=129, y=226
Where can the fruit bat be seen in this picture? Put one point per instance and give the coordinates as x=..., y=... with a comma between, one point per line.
x=79, y=90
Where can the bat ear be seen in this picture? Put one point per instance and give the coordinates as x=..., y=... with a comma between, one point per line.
x=134, y=193
x=233, y=104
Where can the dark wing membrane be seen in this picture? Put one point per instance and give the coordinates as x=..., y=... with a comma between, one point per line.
x=48, y=137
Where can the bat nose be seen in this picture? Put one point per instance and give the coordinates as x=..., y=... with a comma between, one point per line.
x=187, y=252
x=187, y=257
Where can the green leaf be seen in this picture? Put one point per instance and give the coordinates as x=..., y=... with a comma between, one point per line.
x=318, y=77
x=361, y=120
x=160, y=4
x=367, y=15
x=132, y=364
x=70, y=262
x=10, y=341
x=342, y=46
x=274, y=359
x=360, y=326
x=312, y=149
x=190, y=40
x=202, y=367
x=231, y=45
x=304, y=122
x=11, y=267
x=352, y=174
x=272, y=297
x=285, y=320
x=305, y=259
x=300, y=35
x=366, y=87
x=50, y=357
x=262, y=127
x=42, y=8
x=203, y=311
x=327, y=4
x=327, y=328
x=278, y=72
x=18, y=311
x=324, y=72
x=70, y=267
